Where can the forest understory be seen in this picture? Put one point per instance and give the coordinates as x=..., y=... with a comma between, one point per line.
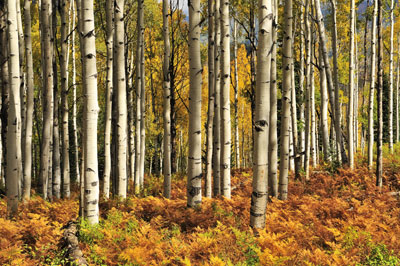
x=338, y=217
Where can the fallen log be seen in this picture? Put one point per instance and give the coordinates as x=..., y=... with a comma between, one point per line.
x=74, y=254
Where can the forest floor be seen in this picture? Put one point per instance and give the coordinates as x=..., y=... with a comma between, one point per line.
x=338, y=217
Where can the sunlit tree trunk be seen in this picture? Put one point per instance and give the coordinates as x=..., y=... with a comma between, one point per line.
x=372, y=90
x=167, y=108
x=143, y=110
x=380, y=96
x=91, y=114
x=273, y=133
x=13, y=135
x=211, y=95
x=397, y=89
x=301, y=84
x=194, y=159
x=109, y=91
x=308, y=38
x=139, y=110
x=119, y=81
x=391, y=77
x=261, y=123
x=313, y=130
x=236, y=90
x=225, y=101
x=336, y=103
x=350, y=115
x=74, y=99
x=47, y=42
x=324, y=109
x=29, y=102
x=217, y=114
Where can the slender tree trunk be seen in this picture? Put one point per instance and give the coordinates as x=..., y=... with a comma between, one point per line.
x=372, y=90
x=120, y=88
x=91, y=114
x=13, y=135
x=324, y=109
x=46, y=12
x=391, y=77
x=380, y=96
x=139, y=110
x=336, y=103
x=109, y=91
x=29, y=103
x=397, y=89
x=194, y=159
x=262, y=113
x=217, y=98
x=211, y=98
x=273, y=132
x=313, y=131
x=225, y=101
x=167, y=106
x=307, y=130
x=143, y=110
x=350, y=115
x=74, y=99
x=301, y=85
x=236, y=90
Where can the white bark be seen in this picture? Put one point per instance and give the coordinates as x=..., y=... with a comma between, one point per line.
x=167, y=106
x=91, y=114
x=29, y=103
x=225, y=101
x=262, y=113
x=120, y=88
x=14, y=116
x=324, y=109
x=372, y=90
x=211, y=99
x=391, y=77
x=109, y=91
x=194, y=159
x=350, y=115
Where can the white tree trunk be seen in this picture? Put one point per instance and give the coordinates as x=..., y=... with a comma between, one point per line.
x=236, y=90
x=273, y=132
x=167, y=106
x=391, y=77
x=372, y=90
x=225, y=101
x=211, y=99
x=14, y=116
x=350, y=115
x=29, y=102
x=120, y=88
x=47, y=43
x=109, y=91
x=91, y=114
x=194, y=159
x=217, y=98
x=324, y=109
x=380, y=96
x=261, y=123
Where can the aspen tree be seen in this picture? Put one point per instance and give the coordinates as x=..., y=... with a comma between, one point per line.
x=74, y=99
x=391, y=77
x=167, y=106
x=262, y=113
x=211, y=99
x=64, y=99
x=380, y=96
x=397, y=89
x=372, y=90
x=14, y=113
x=46, y=13
x=225, y=101
x=119, y=81
x=194, y=159
x=236, y=90
x=350, y=115
x=273, y=132
x=139, y=110
x=308, y=38
x=109, y=91
x=29, y=102
x=91, y=113
x=324, y=109
x=217, y=98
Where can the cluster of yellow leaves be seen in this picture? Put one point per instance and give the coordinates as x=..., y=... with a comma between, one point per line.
x=33, y=238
